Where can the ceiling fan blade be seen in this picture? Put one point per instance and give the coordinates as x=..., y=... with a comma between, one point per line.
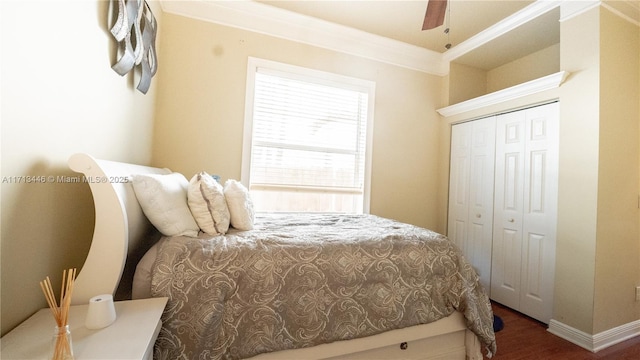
x=434, y=17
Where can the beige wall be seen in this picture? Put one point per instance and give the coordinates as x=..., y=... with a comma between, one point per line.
x=618, y=237
x=59, y=97
x=578, y=182
x=466, y=82
x=201, y=112
x=598, y=233
x=538, y=64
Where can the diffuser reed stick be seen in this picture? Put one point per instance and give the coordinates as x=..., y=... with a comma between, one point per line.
x=62, y=348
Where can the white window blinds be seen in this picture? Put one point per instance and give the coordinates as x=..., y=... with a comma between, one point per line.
x=308, y=142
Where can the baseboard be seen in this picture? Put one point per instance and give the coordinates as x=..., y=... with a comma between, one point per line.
x=599, y=341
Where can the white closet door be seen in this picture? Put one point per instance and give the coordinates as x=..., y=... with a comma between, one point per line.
x=508, y=205
x=540, y=211
x=481, y=197
x=471, y=193
x=460, y=166
x=525, y=210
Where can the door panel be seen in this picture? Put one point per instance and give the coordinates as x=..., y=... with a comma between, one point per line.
x=537, y=166
x=526, y=210
x=459, y=184
x=540, y=217
x=533, y=266
x=481, y=196
x=507, y=228
x=471, y=193
x=512, y=192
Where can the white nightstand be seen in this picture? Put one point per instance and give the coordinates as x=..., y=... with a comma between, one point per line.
x=131, y=336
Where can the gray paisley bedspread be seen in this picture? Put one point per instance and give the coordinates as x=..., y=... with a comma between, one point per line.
x=302, y=280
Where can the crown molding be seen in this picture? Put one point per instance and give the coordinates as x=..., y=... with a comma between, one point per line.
x=268, y=20
x=261, y=18
x=571, y=9
x=628, y=10
x=528, y=88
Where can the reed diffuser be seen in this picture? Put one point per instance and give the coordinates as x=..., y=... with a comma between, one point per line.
x=61, y=343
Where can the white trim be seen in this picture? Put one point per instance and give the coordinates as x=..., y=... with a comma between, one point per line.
x=599, y=341
x=264, y=19
x=368, y=160
x=502, y=27
x=531, y=87
x=616, y=335
x=571, y=334
x=247, y=133
x=626, y=9
x=632, y=13
x=571, y=9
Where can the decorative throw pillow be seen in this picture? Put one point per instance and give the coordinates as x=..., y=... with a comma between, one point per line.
x=240, y=205
x=208, y=205
x=163, y=199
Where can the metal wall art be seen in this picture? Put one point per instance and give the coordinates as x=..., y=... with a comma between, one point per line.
x=135, y=30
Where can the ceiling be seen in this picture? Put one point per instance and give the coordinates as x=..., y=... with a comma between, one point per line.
x=483, y=33
x=402, y=21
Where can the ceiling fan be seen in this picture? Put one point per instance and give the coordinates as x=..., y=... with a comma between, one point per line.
x=436, y=10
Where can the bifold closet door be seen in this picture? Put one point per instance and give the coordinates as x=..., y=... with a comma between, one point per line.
x=525, y=210
x=471, y=192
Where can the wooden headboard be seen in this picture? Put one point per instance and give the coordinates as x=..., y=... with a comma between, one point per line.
x=122, y=233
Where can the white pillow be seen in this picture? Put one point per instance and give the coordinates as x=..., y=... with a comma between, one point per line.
x=208, y=206
x=240, y=205
x=163, y=199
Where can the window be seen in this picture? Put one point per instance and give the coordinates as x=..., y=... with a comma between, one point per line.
x=307, y=139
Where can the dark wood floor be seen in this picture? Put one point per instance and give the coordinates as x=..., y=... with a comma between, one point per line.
x=524, y=338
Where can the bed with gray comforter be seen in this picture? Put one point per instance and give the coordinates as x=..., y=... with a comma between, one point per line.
x=301, y=280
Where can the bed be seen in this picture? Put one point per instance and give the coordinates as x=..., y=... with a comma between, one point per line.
x=324, y=311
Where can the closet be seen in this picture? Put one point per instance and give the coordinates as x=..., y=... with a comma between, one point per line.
x=503, y=204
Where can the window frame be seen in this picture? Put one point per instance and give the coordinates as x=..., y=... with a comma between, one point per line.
x=306, y=74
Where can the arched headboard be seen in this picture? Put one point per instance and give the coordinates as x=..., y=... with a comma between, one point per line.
x=122, y=232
